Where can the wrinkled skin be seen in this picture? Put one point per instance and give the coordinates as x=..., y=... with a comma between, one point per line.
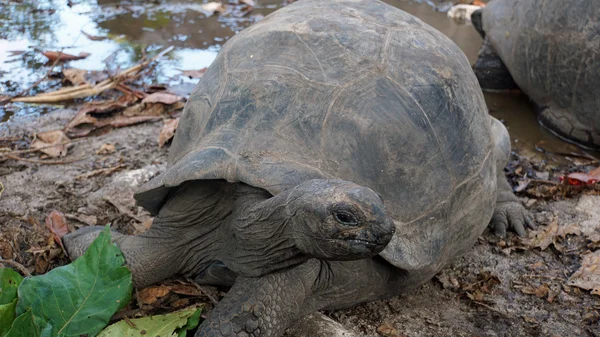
x=550, y=50
x=289, y=173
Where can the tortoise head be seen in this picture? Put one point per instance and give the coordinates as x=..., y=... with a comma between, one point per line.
x=338, y=220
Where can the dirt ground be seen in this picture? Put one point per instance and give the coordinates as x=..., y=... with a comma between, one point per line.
x=501, y=288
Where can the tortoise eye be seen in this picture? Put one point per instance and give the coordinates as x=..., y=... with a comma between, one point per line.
x=345, y=219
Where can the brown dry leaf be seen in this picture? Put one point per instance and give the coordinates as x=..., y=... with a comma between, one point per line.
x=152, y=294
x=194, y=73
x=43, y=257
x=537, y=265
x=486, y=282
x=45, y=139
x=477, y=296
x=145, y=109
x=248, y=2
x=180, y=303
x=57, y=224
x=542, y=291
x=570, y=229
x=92, y=37
x=588, y=275
x=162, y=97
x=6, y=251
x=95, y=107
x=83, y=123
x=186, y=289
x=75, y=76
x=106, y=149
x=209, y=9
x=543, y=237
x=62, y=57
x=90, y=220
x=530, y=320
x=387, y=330
x=168, y=131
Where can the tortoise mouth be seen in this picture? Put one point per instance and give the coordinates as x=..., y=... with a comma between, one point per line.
x=363, y=242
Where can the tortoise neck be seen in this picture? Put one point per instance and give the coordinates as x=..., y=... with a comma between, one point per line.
x=261, y=238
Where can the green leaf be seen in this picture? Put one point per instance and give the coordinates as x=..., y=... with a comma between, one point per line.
x=7, y=316
x=169, y=325
x=79, y=298
x=9, y=282
x=24, y=326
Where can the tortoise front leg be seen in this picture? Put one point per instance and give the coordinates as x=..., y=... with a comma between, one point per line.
x=268, y=305
x=152, y=256
x=509, y=212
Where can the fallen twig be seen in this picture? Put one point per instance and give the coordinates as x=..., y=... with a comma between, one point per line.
x=23, y=92
x=39, y=148
x=86, y=90
x=202, y=290
x=17, y=265
x=44, y=162
x=107, y=171
x=492, y=308
x=123, y=210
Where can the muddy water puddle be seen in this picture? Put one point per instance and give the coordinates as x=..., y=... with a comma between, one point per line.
x=132, y=29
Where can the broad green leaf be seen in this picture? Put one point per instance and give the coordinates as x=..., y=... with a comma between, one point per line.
x=79, y=298
x=7, y=316
x=24, y=326
x=9, y=282
x=169, y=325
x=192, y=323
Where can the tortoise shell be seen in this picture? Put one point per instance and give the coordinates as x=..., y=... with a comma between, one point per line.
x=354, y=90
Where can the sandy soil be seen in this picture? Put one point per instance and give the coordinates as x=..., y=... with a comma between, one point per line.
x=501, y=288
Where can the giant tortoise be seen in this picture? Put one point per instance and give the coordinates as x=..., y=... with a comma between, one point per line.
x=319, y=135
x=551, y=49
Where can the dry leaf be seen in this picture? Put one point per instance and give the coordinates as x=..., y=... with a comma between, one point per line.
x=106, y=149
x=248, y=2
x=75, y=76
x=90, y=220
x=152, y=294
x=162, y=97
x=57, y=224
x=83, y=124
x=387, y=330
x=530, y=320
x=194, y=73
x=542, y=291
x=543, y=237
x=186, y=289
x=570, y=229
x=45, y=139
x=54, y=55
x=92, y=37
x=210, y=8
x=588, y=275
x=145, y=109
x=168, y=131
